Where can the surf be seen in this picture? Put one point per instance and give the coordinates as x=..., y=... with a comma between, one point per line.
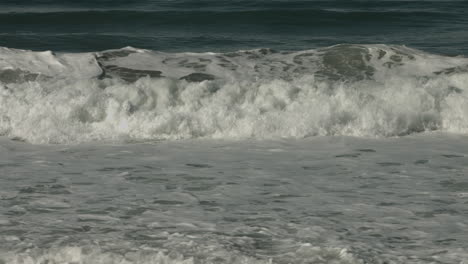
x=138, y=94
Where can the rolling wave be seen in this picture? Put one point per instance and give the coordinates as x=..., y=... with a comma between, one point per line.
x=135, y=94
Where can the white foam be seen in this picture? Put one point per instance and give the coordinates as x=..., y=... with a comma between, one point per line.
x=319, y=200
x=61, y=65
x=95, y=255
x=399, y=96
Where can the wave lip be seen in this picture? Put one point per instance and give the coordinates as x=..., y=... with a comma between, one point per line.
x=355, y=90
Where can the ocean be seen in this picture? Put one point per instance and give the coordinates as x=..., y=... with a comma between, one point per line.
x=235, y=131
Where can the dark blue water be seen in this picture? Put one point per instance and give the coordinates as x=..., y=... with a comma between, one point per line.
x=220, y=25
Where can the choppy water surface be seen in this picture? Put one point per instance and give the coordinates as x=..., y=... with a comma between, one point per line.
x=324, y=200
x=236, y=131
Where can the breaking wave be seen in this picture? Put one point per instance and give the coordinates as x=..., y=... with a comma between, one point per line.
x=134, y=94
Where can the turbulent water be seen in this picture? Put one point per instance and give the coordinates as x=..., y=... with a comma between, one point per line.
x=319, y=200
x=233, y=132
x=353, y=90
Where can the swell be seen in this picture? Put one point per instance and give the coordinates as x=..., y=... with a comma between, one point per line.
x=302, y=17
x=235, y=4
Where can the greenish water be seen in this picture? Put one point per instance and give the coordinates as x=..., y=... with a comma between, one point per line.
x=187, y=25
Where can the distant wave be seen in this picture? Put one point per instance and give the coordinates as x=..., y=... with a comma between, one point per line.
x=302, y=17
x=355, y=90
x=191, y=5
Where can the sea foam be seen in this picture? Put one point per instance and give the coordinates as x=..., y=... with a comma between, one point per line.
x=134, y=94
x=96, y=255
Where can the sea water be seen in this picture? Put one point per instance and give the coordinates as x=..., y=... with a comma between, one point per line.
x=233, y=132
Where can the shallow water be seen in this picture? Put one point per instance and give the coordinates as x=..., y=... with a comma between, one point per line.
x=318, y=200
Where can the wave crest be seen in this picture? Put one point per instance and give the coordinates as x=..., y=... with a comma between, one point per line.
x=356, y=90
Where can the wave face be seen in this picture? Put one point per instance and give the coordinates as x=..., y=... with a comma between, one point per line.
x=135, y=94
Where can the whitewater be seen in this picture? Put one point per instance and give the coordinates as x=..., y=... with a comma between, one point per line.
x=134, y=94
x=342, y=154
